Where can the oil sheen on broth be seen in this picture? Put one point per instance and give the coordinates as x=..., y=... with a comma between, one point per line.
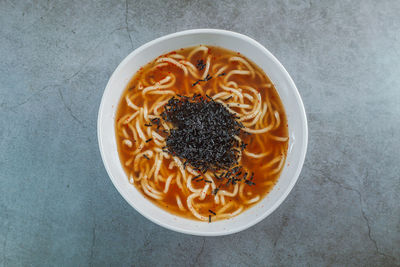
x=228, y=78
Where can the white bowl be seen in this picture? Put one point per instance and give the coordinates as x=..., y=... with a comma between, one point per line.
x=287, y=91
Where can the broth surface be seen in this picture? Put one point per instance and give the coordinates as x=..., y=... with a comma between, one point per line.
x=232, y=77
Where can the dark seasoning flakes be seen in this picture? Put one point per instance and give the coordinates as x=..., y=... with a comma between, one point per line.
x=200, y=64
x=203, y=133
x=206, y=79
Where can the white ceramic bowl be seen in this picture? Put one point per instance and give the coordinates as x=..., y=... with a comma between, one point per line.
x=287, y=91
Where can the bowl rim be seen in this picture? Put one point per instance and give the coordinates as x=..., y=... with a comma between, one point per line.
x=294, y=179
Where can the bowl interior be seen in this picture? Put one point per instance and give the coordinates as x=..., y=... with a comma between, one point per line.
x=286, y=89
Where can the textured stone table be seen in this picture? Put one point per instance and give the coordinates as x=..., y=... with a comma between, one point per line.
x=57, y=204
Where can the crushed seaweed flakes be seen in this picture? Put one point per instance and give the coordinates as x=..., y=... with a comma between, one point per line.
x=252, y=176
x=215, y=191
x=203, y=132
x=197, y=176
x=248, y=182
x=200, y=64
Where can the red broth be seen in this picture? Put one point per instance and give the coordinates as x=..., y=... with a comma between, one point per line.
x=235, y=79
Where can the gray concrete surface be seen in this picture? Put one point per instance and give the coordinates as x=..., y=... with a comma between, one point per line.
x=57, y=204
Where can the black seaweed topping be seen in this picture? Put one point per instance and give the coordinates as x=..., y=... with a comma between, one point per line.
x=252, y=176
x=243, y=146
x=218, y=177
x=203, y=133
x=194, y=178
x=200, y=64
x=249, y=182
x=215, y=191
x=207, y=78
x=195, y=96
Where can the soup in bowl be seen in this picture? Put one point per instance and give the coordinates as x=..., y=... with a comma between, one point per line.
x=202, y=131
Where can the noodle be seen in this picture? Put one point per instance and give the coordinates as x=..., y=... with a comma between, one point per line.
x=176, y=63
x=243, y=61
x=179, y=202
x=167, y=183
x=236, y=72
x=207, y=68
